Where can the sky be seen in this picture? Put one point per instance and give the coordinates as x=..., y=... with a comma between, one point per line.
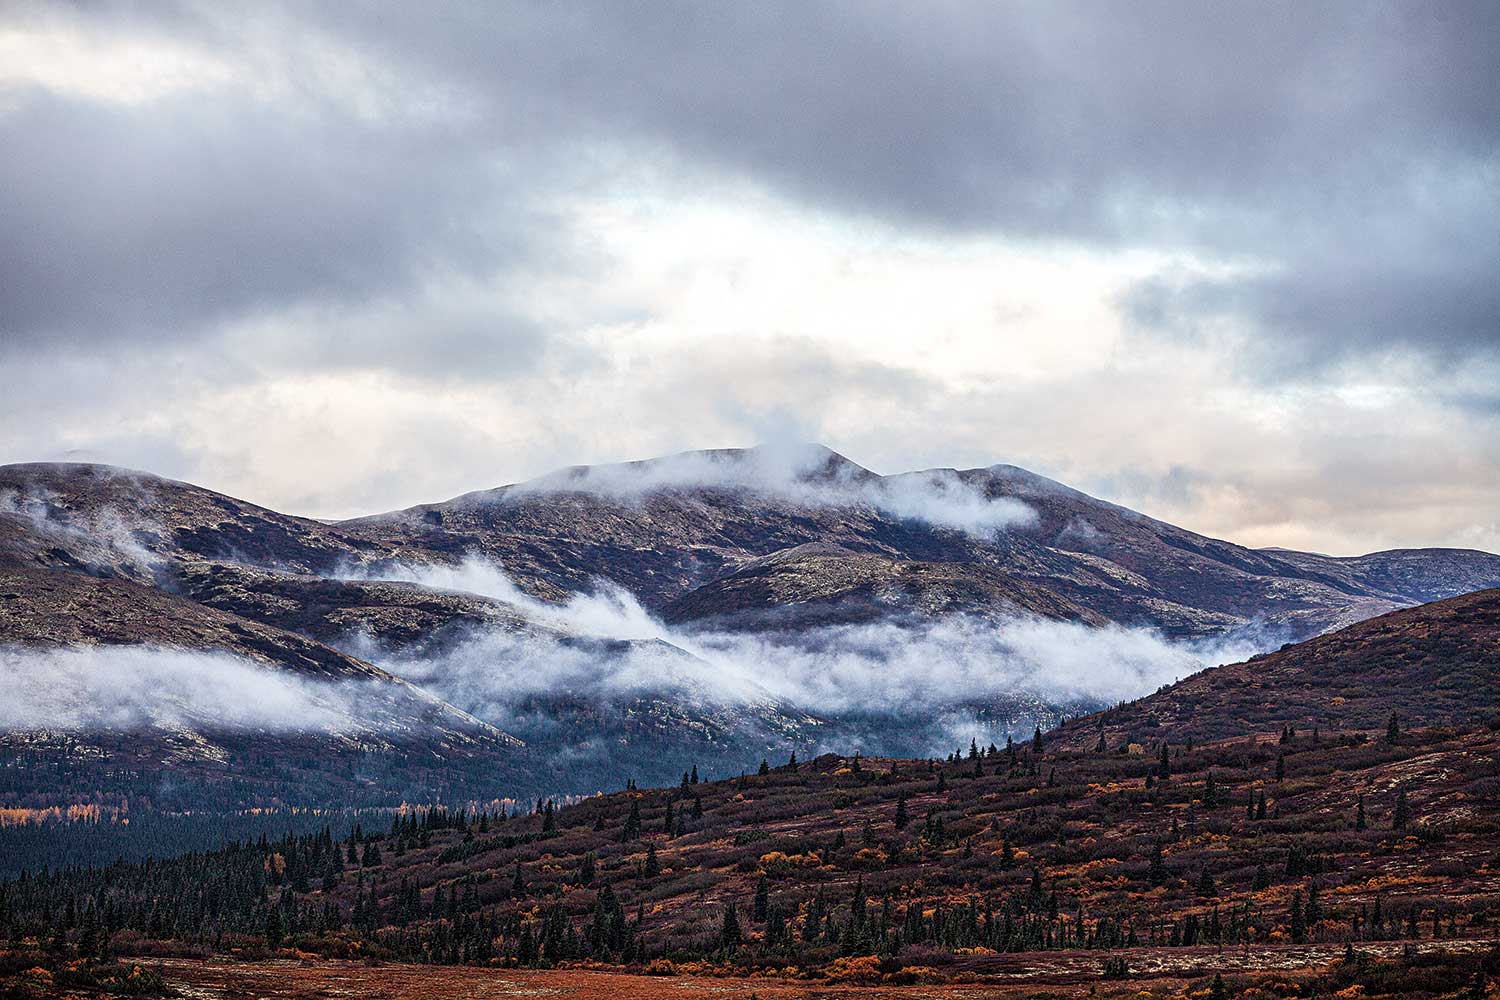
x=1234, y=265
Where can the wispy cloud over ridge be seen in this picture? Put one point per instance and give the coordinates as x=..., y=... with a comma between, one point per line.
x=803, y=475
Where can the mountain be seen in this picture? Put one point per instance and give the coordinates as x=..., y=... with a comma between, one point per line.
x=702, y=607
x=665, y=528
x=994, y=540
x=820, y=584
x=1432, y=665
x=369, y=737
x=1351, y=861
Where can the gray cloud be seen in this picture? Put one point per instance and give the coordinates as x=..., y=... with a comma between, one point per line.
x=386, y=195
x=1352, y=147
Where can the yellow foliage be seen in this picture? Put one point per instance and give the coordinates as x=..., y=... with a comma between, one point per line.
x=861, y=969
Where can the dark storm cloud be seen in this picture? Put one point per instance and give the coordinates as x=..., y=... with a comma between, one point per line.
x=1348, y=152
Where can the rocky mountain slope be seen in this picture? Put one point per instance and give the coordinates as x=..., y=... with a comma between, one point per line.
x=751, y=543
x=665, y=528
x=994, y=540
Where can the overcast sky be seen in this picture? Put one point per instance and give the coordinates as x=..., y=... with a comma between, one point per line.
x=1237, y=266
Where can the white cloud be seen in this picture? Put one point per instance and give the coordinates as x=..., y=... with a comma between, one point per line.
x=139, y=687
x=941, y=667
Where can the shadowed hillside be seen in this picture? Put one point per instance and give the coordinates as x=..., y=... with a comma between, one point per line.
x=1436, y=664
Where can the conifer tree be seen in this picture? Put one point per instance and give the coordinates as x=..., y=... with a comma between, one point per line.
x=632, y=828
x=1401, y=815
x=729, y=933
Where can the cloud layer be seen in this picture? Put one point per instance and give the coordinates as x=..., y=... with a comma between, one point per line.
x=128, y=688
x=342, y=258
x=945, y=672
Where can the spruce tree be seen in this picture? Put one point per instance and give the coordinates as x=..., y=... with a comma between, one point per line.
x=1158, y=870
x=729, y=933
x=632, y=828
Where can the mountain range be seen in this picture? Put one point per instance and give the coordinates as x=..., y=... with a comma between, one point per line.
x=710, y=607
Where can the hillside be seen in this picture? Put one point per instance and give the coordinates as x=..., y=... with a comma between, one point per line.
x=815, y=584
x=1292, y=864
x=1436, y=664
x=375, y=739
